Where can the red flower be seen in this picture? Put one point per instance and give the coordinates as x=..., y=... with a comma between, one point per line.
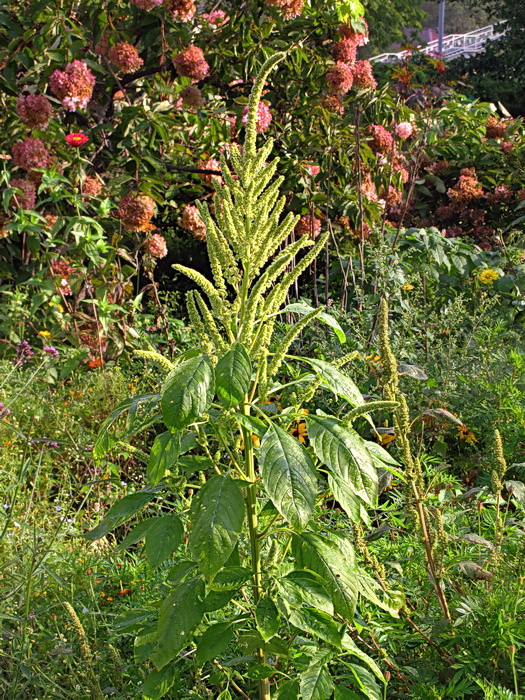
x=76, y=139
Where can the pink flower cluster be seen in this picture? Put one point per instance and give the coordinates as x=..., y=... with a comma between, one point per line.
x=191, y=221
x=135, y=211
x=181, y=10
x=91, y=187
x=27, y=199
x=125, y=57
x=404, y=130
x=147, y=4
x=347, y=72
x=156, y=246
x=308, y=226
x=210, y=178
x=73, y=86
x=289, y=8
x=263, y=119
x=191, y=63
x=340, y=78
x=381, y=139
x=346, y=31
x=364, y=76
x=314, y=170
x=34, y=111
x=216, y=18
x=30, y=153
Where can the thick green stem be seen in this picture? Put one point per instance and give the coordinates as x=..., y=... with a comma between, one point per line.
x=251, y=509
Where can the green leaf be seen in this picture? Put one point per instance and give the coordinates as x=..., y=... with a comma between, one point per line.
x=332, y=558
x=213, y=642
x=158, y=683
x=317, y=623
x=337, y=381
x=351, y=646
x=179, y=615
x=267, y=618
x=233, y=376
x=180, y=570
x=194, y=463
x=217, y=515
x=163, y=455
x=345, y=452
x=251, y=423
x=289, y=690
x=163, y=538
x=391, y=601
x=305, y=587
x=345, y=496
x=326, y=318
x=316, y=682
x=187, y=392
x=366, y=682
x=260, y=671
x=117, y=514
x=289, y=476
x=230, y=578
x=341, y=693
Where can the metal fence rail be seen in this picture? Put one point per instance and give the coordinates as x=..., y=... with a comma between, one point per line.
x=454, y=45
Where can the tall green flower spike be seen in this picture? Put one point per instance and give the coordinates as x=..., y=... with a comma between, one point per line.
x=243, y=240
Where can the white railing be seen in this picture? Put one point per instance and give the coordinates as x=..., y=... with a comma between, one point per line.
x=454, y=45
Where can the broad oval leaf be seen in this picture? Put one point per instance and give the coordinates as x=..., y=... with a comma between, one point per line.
x=289, y=476
x=233, y=376
x=213, y=642
x=316, y=682
x=345, y=452
x=267, y=618
x=164, y=454
x=317, y=623
x=163, y=538
x=302, y=587
x=179, y=615
x=333, y=559
x=231, y=578
x=187, y=392
x=337, y=381
x=217, y=515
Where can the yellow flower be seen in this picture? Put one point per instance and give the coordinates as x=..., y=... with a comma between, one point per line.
x=407, y=287
x=44, y=334
x=488, y=276
x=300, y=431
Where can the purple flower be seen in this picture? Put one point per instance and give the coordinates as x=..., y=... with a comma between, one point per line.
x=4, y=411
x=23, y=352
x=52, y=352
x=54, y=444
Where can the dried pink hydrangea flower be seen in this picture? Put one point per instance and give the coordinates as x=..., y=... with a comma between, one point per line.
x=364, y=76
x=308, y=226
x=191, y=221
x=192, y=97
x=181, y=10
x=27, y=199
x=289, y=8
x=34, y=111
x=91, y=186
x=156, y=246
x=135, y=211
x=346, y=31
x=333, y=103
x=191, y=63
x=263, y=118
x=404, y=130
x=73, y=86
x=382, y=140
x=147, y=4
x=125, y=57
x=340, y=78
x=30, y=153
x=210, y=178
x=345, y=51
